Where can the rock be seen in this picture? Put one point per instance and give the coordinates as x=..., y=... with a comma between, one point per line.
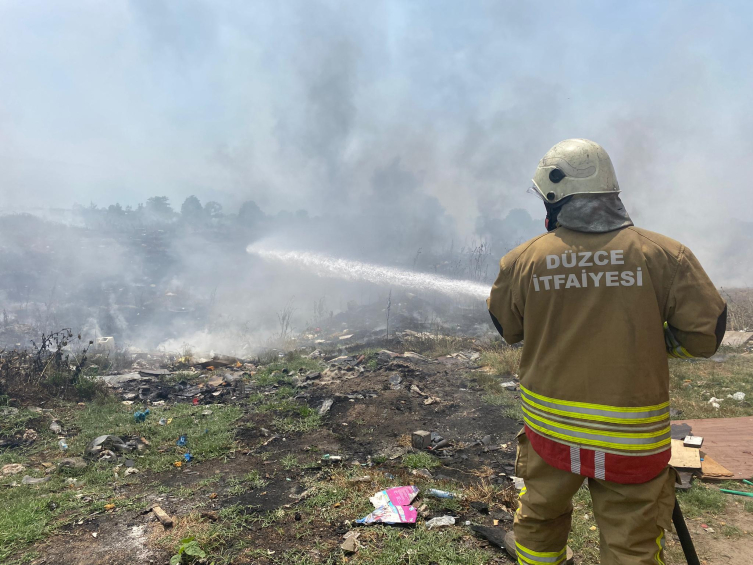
x=350, y=545
x=72, y=463
x=326, y=405
x=27, y=480
x=395, y=381
x=313, y=375
x=486, y=440
x=11, y=469
x=421, y=439
x=163, y=517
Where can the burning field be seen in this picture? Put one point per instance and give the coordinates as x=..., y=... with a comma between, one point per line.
x=273, y=459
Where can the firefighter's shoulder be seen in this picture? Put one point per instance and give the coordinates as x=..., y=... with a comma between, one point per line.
x=513, y=255
x=657, y=242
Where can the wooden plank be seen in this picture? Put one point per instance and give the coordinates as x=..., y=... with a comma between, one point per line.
x=684, y=457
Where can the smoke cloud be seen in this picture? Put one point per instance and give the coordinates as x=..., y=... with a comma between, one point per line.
x=391, y=132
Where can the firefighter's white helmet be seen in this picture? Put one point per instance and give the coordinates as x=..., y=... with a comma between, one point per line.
x=574, y=166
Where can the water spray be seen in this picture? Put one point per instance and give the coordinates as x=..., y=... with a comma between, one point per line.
x=325, y=266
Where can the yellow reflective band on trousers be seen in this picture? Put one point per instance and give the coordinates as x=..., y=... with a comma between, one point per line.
x=660, y=543
x=635, y=430
x=529, y=557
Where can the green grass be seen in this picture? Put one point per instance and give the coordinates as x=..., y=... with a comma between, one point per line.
x=293, y=362
x=502, y=359
x=26, y=518
x=446, y=546
x=420, y=460
x=289, y=462
x=693, y=383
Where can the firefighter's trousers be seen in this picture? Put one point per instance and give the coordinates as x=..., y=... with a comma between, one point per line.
x=631, y=518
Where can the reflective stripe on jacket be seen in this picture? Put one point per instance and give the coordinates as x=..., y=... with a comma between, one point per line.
x=594, y=375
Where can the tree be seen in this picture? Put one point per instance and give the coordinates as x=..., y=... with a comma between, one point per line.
x=159, y=208
x=250, y=214
x=213, y=209
x=191, y=209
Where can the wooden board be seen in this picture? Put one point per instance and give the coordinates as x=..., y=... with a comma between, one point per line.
x=729, y=441
x=684, y=457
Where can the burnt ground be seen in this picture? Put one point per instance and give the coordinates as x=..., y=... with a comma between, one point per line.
x=368, y=425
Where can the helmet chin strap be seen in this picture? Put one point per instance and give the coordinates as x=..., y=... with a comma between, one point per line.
x=552, y=210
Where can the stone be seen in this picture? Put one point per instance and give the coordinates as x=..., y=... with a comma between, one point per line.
x=421, y=439
x=27, y=480
x=11, y=469
x=72, y=463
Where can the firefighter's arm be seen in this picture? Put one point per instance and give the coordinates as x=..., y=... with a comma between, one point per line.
x=696, y=313
x=505, y=306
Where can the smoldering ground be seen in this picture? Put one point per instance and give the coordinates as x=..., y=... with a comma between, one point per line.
x=390, y=133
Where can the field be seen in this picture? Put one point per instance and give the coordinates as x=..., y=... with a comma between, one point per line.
x=261, y=485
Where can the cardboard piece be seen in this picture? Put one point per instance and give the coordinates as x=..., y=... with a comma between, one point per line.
x=684, y=457
x=710, y=469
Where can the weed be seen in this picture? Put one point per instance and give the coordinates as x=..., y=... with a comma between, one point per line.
x=289, y=462
x=189, y=551
x=420, y=460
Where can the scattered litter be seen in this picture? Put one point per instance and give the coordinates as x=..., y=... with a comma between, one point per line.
x=715, y=402
x=163, y=517
x=206, y=413
x=162, y=422
x=350, y=545
x=332, y=458
x=27, y=480
x=11, y=469
x=442, y=494
x=739, y=396
x=356, y=480
x=518, y=482
x=55, y=427
x=62, y=444
x=187, y=457
x=440, y=521
x=496, y=536
x=393, y=506
x=72, y=463
x=421, y=439
x=109, y=506
x=326, y=405
x=141, y=416
x=30, y=435
x=181, y=441
x=395, y=381
x=509, y=385
x=195, y=401
x=693, y=441
x=108, y=442
x=425, y=473
x=94, y=534
x=727, y=440
x=131, y=471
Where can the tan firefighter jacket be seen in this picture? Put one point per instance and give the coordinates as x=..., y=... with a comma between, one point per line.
x=594, y=375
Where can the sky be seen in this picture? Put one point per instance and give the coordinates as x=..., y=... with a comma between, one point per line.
x=304, y=104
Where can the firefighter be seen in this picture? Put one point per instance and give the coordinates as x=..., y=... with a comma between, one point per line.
x=600, y=304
